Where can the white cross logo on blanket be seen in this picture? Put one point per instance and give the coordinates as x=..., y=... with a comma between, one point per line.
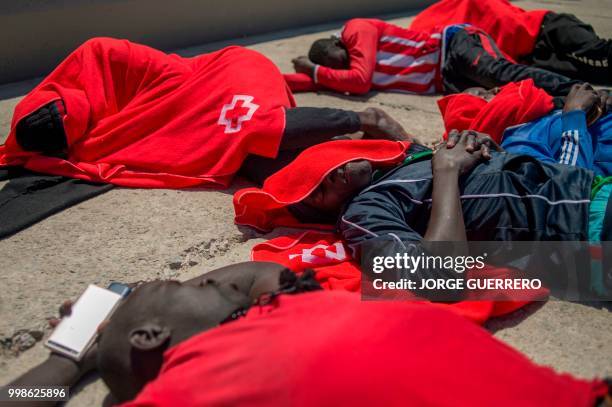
x=308, y=255
x=233, y=115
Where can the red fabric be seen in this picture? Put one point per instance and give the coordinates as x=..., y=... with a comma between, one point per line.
x=140, y=118
x=382, y=56
x=335, y=269
x=265, y=208
x=331, y=349
x=516, y=103
x=513, y=29
x=300, y=82
x=323, y=252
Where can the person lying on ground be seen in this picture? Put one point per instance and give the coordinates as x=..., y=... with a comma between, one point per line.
x=118, y=112
x=451, y=195
x=208, y=343
x=374, y=55
x=557, y=42
x=516, y=116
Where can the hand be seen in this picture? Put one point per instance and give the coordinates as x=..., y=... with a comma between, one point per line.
x=456, y=160
x=582, y=97
x=605, y=100
x=303, y=65
x=475, y=141
x=377, y=124
x=89, y=360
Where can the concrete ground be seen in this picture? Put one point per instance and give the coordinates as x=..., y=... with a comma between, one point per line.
x=131, y=234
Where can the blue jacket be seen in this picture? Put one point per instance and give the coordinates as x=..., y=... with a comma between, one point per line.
x=564, y=138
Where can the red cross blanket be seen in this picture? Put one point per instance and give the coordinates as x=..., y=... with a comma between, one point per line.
x=138, y=117
x=513, y=29
x=516, y=103
x=335, y=269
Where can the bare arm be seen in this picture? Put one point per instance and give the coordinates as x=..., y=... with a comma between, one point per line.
x=446, y=222
x=57, y=370
x=318, y=125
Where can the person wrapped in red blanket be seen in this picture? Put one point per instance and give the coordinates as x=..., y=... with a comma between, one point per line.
x=560, y=43
x=522, y=119
x=123, y=113
x=326, y=348
x=493, y=111
x=375, y=55
x=206, y=342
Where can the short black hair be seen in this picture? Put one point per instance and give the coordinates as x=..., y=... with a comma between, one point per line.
x=319, y=50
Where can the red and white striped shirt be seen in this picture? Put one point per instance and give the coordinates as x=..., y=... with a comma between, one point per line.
x=386, y=57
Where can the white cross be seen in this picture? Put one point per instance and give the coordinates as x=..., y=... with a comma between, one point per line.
x=247, y=102
x=308, y=256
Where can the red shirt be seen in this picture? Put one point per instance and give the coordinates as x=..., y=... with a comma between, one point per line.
x=331, y=349
x=382, y=56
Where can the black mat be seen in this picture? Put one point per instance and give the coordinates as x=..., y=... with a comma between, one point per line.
x=30, y=197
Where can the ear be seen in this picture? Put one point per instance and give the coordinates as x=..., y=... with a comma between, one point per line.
x=149, y=336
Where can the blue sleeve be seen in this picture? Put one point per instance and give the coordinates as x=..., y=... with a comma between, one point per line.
x=530, y=139
x=576, y=141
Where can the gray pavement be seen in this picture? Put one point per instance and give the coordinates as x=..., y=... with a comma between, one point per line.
x=130, y=234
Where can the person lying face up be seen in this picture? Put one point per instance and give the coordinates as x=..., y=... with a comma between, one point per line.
x=172, y=344
x=464, y=191
x=574, y=130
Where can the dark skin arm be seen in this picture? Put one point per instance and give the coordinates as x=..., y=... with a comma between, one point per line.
x=57, y=370
x=593, y=103
x=374, y=123
x=303, y=65
x=446, y=222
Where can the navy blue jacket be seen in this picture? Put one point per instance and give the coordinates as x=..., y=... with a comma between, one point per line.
x=509, y=198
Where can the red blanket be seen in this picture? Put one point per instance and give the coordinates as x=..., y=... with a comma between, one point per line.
x=138, y=117
x=265, y=208
x=516, y=103
x=513, y=29
x=335, y=269
x=330, y=349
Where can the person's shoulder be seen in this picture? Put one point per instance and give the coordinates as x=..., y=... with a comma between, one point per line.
x=357, y=23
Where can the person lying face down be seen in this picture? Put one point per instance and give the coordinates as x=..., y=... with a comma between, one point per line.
x=174, y=344
x=372, y=54
x=123, y=113
x=467, y=193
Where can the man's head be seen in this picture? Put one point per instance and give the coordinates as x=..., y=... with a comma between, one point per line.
x=334, y=191
x=329, y=52
x=154, y=317
x=486, y=94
